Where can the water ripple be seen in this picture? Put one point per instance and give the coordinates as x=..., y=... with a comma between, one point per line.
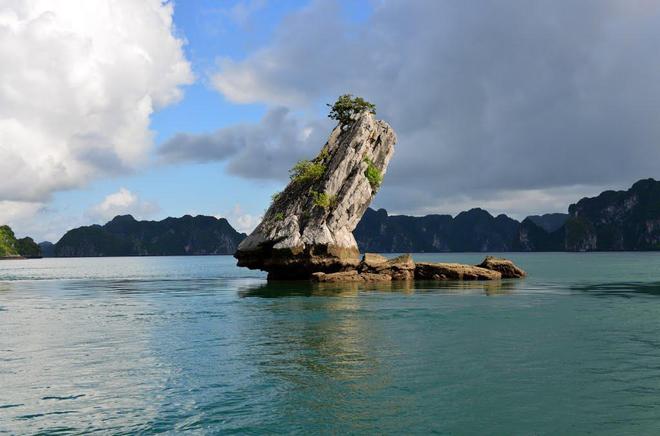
x=125, y=346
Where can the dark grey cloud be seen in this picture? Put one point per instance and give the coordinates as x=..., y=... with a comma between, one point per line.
x=488, y=98
x=265, y=150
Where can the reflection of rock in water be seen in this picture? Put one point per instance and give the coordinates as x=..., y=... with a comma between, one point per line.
x=491, y=288
x=313, y=337
x=352, y=289
x=331, y=349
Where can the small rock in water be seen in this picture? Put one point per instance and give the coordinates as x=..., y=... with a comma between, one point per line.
x=453, y=271
x=399, y=268
x=507, y=268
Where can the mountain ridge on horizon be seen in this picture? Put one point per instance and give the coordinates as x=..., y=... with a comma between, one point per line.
x=613, y=220
x=126, y=236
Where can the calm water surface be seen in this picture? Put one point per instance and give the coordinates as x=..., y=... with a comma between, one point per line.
x=145, y=345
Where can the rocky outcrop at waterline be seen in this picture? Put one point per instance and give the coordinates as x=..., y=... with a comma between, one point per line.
x=505, y=267
x=376, y=268
x=454, y=271
x=307, y=232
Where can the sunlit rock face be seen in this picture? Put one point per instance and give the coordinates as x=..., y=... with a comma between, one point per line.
x=309, y=226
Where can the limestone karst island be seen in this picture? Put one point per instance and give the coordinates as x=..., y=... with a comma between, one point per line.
x=307, y=232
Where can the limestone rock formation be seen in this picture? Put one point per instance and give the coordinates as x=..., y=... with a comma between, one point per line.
x=399, y=268
x=309, y=226
x=376, y=268
x=306, y=233
x=454, y=271
x=350, y=276
x=504, y=266
x=373, y=268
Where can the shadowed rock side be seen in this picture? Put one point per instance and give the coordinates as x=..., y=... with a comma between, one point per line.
x=616, y=220
x=309, y=226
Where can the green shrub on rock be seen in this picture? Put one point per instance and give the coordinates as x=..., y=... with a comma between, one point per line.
x=323, y=200
x=306, y=171
x=276, y=196
x=373, y=174
x=347, y=107
x=7, y=242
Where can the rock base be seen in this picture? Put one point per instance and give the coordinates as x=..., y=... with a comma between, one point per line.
x=507, y=268
x=376, y=268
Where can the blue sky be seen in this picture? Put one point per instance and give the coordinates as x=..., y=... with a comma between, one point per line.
x=211, y=29
x=160, y=108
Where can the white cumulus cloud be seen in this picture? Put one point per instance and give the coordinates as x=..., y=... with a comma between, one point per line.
x=122, y=202
x=79, y=81
x=489, y=99
x=240, y=220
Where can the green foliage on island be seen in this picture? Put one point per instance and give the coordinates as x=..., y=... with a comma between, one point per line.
x=7, y=242
x=27, y=247
x=373, y=174
x=276, y=196
x=323, y=155
x=12, y=247
x=347, y=107
x=322, y=199
x=279, y=216
x=305, y=171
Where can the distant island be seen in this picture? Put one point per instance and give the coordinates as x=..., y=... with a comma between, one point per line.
x=125, y=236
x=611, y=221
x=11, y=247
x=475, y=230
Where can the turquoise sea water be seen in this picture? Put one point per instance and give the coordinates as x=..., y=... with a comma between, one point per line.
x=145, y=345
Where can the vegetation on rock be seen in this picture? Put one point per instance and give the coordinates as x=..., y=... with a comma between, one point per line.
x=347, y=107
x=323, y=202
x=7, y=242
x=373, y=174
x=322, y=199
x=305, y=171
x=323, y=155
x=27, y=247
x=12, y=247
